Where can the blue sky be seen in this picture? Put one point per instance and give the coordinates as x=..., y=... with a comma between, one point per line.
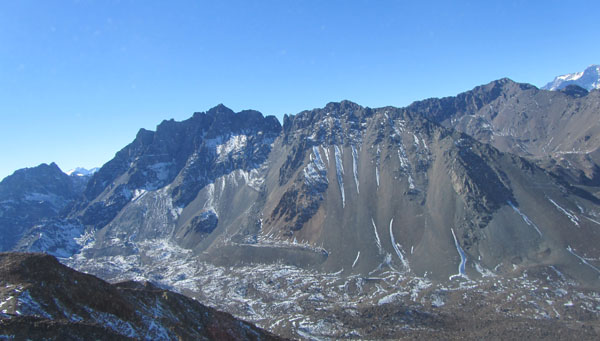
x=79, y=78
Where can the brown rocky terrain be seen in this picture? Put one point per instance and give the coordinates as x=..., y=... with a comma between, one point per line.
x=43, y=299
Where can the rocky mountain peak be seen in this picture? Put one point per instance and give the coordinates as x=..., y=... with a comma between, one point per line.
x=31, y=195
x=43, y=180
x=188, y=155
x=574, y=90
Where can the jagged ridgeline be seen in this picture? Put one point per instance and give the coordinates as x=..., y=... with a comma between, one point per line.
x=353, y=190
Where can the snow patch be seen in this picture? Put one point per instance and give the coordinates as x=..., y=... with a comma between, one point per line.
x=391, y=298
x=411, y=183
x=315, y=172
x=483, y=271
x=161, y=169
x=404, y=164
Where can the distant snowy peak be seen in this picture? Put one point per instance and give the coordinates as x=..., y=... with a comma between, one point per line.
x=80, y=171
x=588, y=79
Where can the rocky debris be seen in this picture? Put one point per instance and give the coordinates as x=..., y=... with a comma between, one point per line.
x=42, y=298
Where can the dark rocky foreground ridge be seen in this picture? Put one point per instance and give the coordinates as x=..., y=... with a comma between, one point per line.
x=43, y=299
x=348, y=217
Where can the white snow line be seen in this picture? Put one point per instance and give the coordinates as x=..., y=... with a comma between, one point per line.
x=525, y=218
x=463, y=259
x=377, y=240
x=318, y=160
x=377, y=176
x=592, y=220
x=339, y=168
x=582, y=259
x=403, y=160
x=326, y=154
x=356, y=260
x=558, y=272
x=572, y=217
x=355, y=167
x=398, y=248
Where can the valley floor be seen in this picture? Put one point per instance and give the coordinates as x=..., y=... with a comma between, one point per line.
x=535, y=303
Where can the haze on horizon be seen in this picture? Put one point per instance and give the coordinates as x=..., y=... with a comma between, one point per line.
x=79, y=78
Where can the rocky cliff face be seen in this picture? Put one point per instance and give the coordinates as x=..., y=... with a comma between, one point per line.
x=41, y=298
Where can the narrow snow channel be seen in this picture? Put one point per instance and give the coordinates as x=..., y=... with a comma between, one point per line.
x=377, y=240
x=355, y=167
x=571, y=216
x=398, y=247
x=592, y=220
x=582, y=259
x=525, y=218
x=356, y=260
x=339, y=169
x=377, y=161
x=463, y=259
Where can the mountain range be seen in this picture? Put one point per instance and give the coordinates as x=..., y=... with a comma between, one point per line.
x=588, y=79
x=346, y=215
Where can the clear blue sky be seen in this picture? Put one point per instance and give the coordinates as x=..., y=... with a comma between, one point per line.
x=79, y=78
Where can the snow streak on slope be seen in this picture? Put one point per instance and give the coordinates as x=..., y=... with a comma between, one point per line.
x=356, y=260
x=582, y=259
x=398, y=248
x=339, y=169
x=525, y=218
x=570, y=215
x=377, y=240
x=326, y=154
x=355, y=167
x=592, y=220
x=377, y=166
x=463, y=259
x=405, y=165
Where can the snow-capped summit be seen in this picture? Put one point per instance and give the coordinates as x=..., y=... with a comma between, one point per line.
x=80, y=171
x=588, y=79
